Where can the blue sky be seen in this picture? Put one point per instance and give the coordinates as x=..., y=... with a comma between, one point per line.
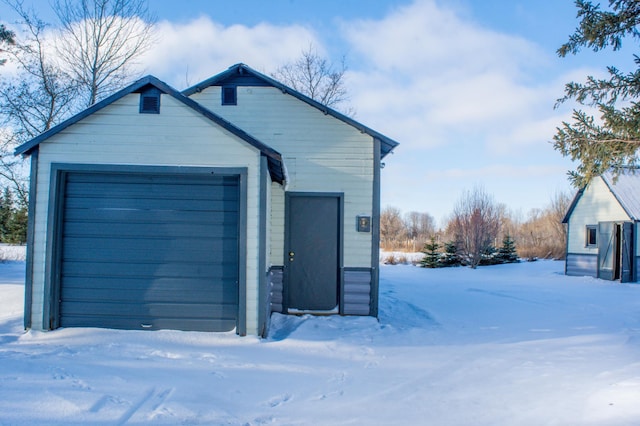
x=466, y=86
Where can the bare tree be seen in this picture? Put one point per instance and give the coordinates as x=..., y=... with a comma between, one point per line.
x=37, y=98
x=315, y=77
x=94, y=51
x=392, y=229
x=543, y=235
x=475, y=224
x=557, y=210
x=100, y=40
x=419, y=227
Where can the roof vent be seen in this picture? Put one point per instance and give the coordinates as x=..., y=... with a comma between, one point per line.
x=150, y=101
x=229, y=95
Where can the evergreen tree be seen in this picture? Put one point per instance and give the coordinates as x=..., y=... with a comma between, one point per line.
x=6, y=214
x=451, y=255
x=507, y=253
x=489, y=256
x=610, y=142
x=18, y=227
x=431, y=252
x=13, y=221
x=6, y=38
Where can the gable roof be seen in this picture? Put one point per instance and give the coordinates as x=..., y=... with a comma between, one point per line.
x=241, y=73
x=625, y=188
x=274, y=159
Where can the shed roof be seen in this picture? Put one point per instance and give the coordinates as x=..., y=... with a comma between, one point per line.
x=248, y=74
x=625, y=187
x=274, y=158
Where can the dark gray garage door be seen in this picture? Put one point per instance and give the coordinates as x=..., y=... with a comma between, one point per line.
x=149, y=251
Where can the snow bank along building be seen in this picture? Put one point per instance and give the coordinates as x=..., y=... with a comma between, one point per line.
x=206, y=209
x=602, y=228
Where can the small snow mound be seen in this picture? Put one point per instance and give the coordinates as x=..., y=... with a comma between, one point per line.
x=10, y=252
x=404, y=315
x=282, y=326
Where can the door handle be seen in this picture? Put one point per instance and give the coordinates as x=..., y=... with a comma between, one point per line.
x=291, y=256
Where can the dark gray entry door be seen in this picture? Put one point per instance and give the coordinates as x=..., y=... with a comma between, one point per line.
x=313, y=252
x=149, y=251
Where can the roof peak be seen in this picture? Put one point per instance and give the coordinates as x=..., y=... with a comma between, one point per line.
x=275, y=158
x=386, y=144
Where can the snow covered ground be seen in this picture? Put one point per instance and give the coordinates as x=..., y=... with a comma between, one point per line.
x=517, y=344
x=12, y=252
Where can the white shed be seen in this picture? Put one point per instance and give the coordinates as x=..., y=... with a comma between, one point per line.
x=206, y=209
x=602, y=228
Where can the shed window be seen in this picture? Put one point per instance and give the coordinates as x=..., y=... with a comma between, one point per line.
x=592, y=236
x=229, y=95
x=150, y=101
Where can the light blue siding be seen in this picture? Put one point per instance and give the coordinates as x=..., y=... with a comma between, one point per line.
x=276, y=289
x=356, y=291
x=580, y=264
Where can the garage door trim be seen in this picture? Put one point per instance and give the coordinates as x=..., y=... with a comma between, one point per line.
x=55, y=216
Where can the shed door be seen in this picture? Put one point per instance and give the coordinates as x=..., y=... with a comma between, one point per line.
x=607, y=252
x=149, y=251
x=312, y=274
x=627, y=259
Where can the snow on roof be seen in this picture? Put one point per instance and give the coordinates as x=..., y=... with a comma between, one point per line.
x=626, y=188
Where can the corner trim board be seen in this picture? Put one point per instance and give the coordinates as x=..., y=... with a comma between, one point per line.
x=263, y=305
x=241, y=326
x=375, y=230
x=31, y=220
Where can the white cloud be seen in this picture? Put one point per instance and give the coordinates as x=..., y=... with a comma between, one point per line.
x=187, y=53
x=427, y=73
x=425, y=37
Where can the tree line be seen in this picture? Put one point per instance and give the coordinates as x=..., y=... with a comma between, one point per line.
x=478, y=230
x=13, y=219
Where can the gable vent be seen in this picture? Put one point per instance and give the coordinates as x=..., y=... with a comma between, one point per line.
x=229, y=95
x=150, y=101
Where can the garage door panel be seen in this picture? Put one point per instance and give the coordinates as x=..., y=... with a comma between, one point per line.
x=160, y=230
x=220, y=294
x=74, y=244
x=93, y=215
x=153, y=191
x=163, y=253
x=146, y=204
x=152, y=310
x=150, y=251
x=187, y=285
x=128, y=323
x=190, y=180
x=146, y=270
